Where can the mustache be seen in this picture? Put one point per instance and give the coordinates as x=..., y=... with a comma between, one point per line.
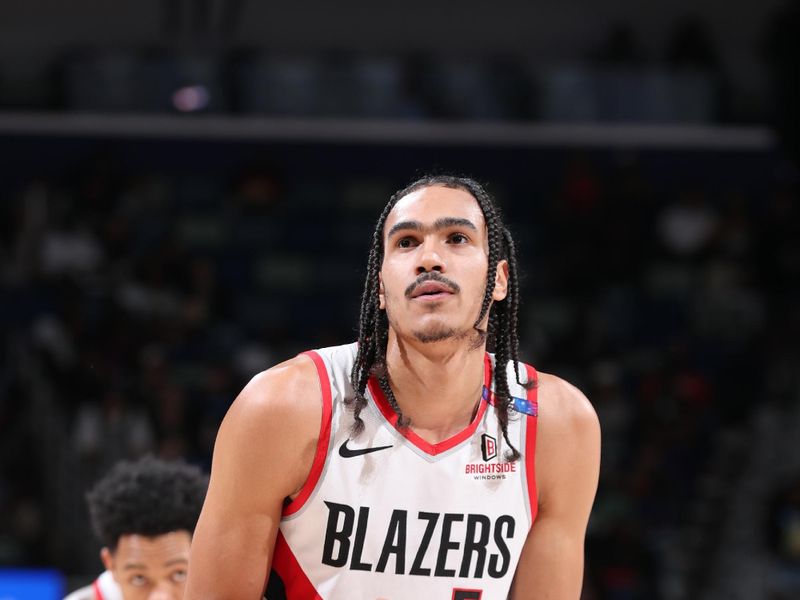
x=432, y=276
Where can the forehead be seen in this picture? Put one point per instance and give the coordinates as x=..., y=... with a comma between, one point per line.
x=153, y=550
x=428, y=204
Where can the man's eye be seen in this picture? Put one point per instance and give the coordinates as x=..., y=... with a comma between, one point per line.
x=459, y=238
x=138, y=580
x=405, y=242
x=178, y=576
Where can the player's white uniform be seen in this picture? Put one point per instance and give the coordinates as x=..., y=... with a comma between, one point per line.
x=388, y=515
x=103, y=588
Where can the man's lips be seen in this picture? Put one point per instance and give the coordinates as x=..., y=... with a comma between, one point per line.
x=432, y=290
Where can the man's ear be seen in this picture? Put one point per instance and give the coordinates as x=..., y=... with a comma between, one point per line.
x=500, y=281
x=381, y=293
x=107, y=558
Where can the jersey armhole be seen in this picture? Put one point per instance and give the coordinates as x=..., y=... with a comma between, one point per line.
x=530, y=443
x=324, y=438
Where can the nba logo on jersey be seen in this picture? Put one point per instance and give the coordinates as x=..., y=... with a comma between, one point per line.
x=488, y=447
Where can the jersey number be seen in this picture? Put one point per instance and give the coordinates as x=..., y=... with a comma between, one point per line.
x=460, y=594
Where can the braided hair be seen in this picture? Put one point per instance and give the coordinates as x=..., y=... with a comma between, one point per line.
x=500, y=335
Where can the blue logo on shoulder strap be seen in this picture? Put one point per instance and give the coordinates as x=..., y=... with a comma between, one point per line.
x=526, y=407
x=521, y=405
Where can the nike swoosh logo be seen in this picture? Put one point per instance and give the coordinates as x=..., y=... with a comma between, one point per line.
x=346, y=452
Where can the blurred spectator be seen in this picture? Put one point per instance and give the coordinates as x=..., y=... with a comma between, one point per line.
x=687, y=226
x=112, y=430
x=727, y=296
x=144, y=513
x=71, y=249
x=613, y=410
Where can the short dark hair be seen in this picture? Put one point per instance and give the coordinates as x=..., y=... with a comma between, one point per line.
x=148, y=497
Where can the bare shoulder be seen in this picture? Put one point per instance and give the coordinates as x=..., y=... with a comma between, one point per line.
x=273, y=426
x=567, y=466
x=567, y=443
x=263, y=454
x=564, y=405
x=289, y=392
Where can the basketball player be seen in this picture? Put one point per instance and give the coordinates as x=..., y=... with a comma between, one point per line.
x=144, y=513
x=411, y=465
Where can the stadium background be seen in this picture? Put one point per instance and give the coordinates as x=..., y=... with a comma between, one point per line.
x=188, y=188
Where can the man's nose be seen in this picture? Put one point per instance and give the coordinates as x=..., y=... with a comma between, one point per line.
x=164, y=591
x=430, y=259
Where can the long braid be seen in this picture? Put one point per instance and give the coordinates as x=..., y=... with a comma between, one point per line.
x=372, y=327
x=502, y=393
x=495, y=254
x=501, y=331
x=513, y=305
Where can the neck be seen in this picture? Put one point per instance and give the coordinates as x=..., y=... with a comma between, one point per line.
x=437, y=385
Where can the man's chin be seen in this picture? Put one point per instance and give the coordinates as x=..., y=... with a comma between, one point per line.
x=431, y=336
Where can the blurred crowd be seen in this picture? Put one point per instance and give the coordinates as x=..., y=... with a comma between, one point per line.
x=139, y=301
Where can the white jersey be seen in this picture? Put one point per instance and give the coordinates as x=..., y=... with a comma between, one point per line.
x=387, y=515
x=103, y=588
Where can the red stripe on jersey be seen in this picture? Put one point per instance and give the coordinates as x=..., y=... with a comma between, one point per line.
x=433, y=449
x=96, y=587
x=322, y=443
x=296, y=582
x=530, y=444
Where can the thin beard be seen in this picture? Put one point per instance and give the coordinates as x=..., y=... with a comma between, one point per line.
x=440, y=336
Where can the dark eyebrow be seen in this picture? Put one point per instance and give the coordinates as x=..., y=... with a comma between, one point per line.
x=438, y=225
x=447, y=222
x=404, y=226
x=141, y=567
x=176, y=561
